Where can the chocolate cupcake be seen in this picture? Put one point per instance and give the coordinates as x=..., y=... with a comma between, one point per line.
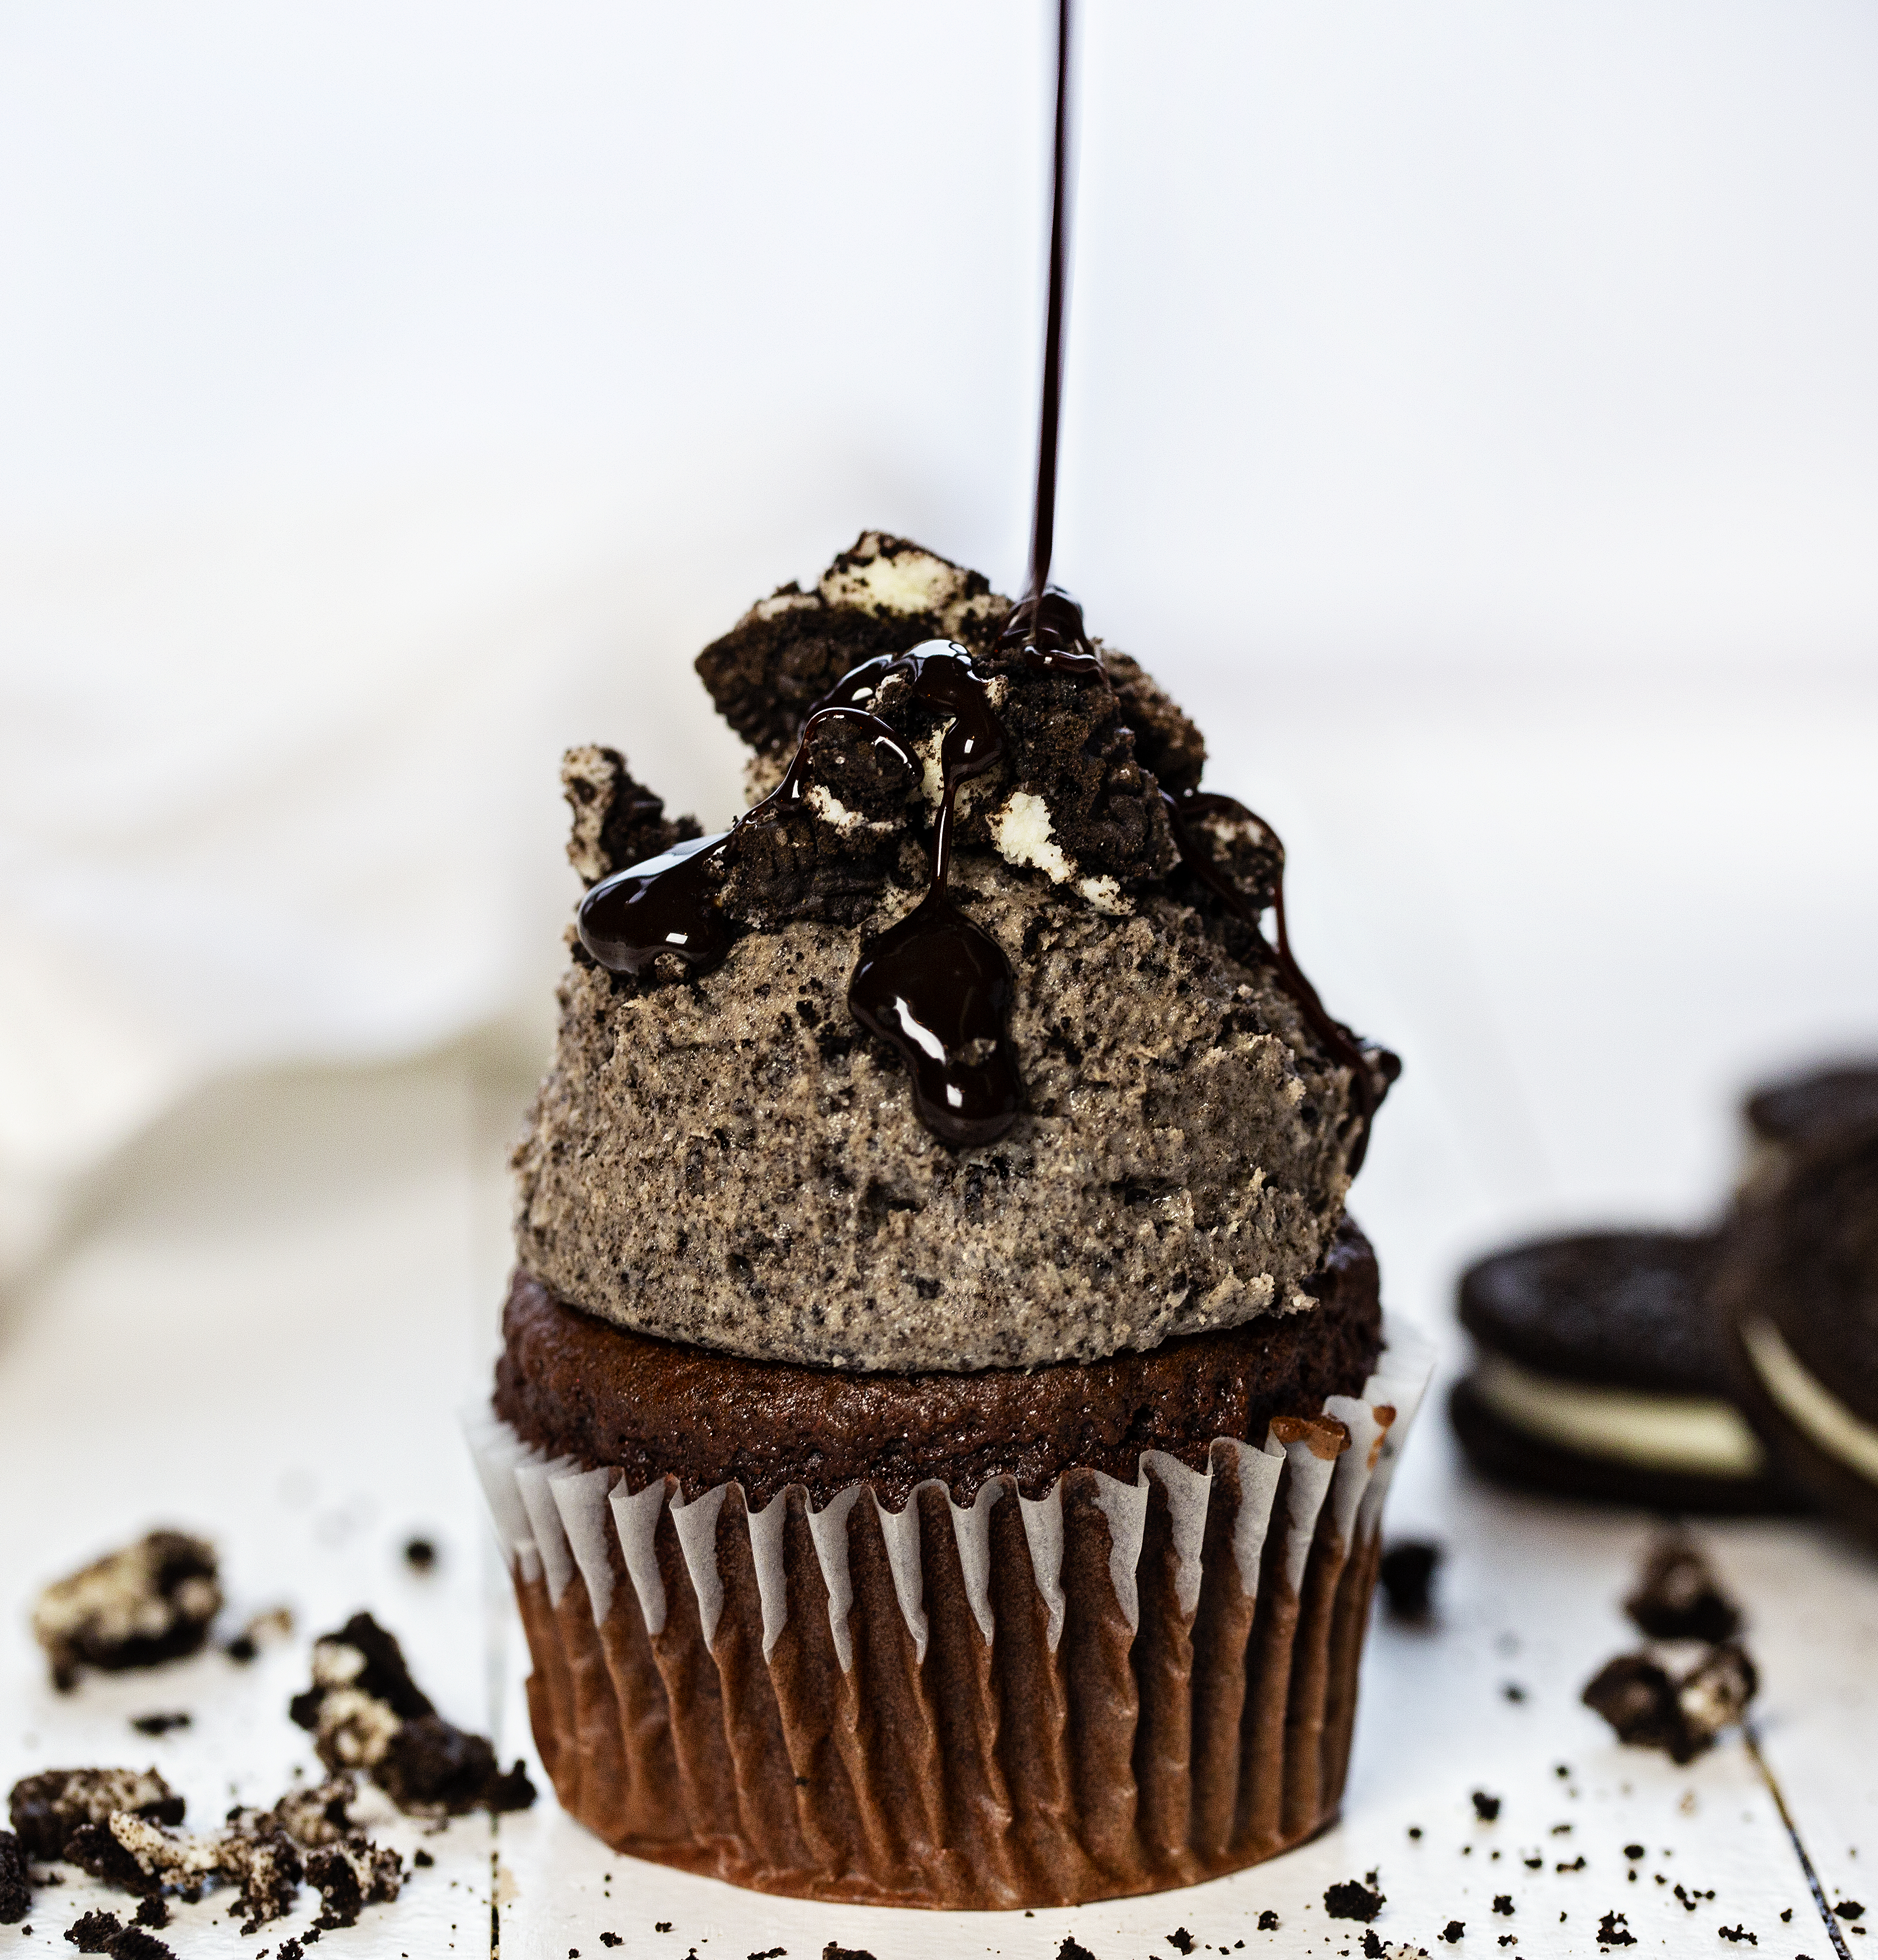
x=945, y=1409
x=1799, y=1287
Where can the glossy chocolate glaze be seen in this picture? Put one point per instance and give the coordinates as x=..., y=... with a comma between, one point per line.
x=935, y=986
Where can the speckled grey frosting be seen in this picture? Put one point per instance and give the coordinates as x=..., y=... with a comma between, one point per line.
x=730, y=1160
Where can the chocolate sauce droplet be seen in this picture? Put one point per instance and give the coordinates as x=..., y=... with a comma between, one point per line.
x=1185, y=813
x=936, y=987
x=663, y=905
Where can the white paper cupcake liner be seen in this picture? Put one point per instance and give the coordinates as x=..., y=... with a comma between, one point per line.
x=1113, y=1687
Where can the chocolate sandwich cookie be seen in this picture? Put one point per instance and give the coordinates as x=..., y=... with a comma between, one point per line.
x=1600, y=1372
x=1797, y=1287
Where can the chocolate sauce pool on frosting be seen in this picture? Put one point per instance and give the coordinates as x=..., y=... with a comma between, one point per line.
x=935, y=988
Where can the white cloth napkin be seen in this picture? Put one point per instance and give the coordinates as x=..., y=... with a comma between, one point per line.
x=284, y=790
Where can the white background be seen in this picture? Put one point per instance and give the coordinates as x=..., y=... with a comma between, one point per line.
x=1471, y=416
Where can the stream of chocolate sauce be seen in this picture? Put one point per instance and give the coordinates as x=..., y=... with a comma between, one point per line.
x=937, y=987
x=1047, y=626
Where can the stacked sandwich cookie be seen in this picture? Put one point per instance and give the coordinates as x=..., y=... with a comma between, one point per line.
x=1798, y=1287
x=944, y=1407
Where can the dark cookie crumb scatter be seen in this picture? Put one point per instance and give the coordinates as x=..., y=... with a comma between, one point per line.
x=1407, y=1574
x=1350, y=1900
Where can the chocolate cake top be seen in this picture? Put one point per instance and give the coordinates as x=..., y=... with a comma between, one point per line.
x=964, y=1046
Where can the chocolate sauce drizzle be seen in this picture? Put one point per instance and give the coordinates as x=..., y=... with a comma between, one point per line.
x=1185, y=813
x=666, y=904
x=935, y=988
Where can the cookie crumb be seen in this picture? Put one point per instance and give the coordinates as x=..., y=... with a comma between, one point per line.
x=366, y=1712
x=1407, y=1574
x=1484, y=1807
x=1681, y=1715
x=1349, y=1900
x=161, y=1723
x=1678, y=1597
x=139, y=1606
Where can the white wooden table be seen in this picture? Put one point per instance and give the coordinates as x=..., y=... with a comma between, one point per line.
x=276, y=1306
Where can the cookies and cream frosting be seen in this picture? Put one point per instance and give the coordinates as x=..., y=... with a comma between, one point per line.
x=726, y=1151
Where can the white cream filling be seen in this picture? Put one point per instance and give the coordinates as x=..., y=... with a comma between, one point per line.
x=1690, y=1433
x=1024, y=834
x=832, y=810
x=1807, y=1403
x=910, y=581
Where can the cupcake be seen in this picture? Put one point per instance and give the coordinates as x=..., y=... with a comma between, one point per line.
x=944, y=1407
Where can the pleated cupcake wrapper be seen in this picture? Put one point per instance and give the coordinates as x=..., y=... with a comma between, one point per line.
x=1017, y=1701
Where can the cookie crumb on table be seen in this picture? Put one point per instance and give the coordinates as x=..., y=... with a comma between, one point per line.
x=139, y=1606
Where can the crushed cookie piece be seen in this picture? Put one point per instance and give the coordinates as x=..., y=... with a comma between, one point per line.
x=161, y=1723
x=47, y=1808
x=1678, y=1597
x=145, y=1604
x=1613, y=1930
x=16, y=1880
x=1484, y=1807
x=1407, y=1575
x=1681, y=1715
x=365, y=1712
